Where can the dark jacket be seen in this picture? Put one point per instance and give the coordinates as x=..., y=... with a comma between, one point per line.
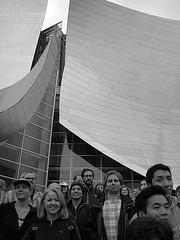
x=64, y=229
x=123, y=221
x=9, y=227
x=83, y=217
x=89, y=196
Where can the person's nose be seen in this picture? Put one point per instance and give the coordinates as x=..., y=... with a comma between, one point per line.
x=164, y=211
x=166, y=182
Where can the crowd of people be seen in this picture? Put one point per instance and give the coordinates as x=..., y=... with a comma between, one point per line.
x=108, y=211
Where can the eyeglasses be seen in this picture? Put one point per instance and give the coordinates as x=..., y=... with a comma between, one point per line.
x=90, y=176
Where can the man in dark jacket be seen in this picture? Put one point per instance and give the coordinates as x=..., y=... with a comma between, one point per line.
x=89, y=196
x=81, y=212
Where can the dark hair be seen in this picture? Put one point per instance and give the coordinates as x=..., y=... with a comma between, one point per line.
x=122, y=189
x=85, y=170
x=177, y=189
x=142, y=198
x=113, y=172
x=96, y=190
x=154, y=168
x=75, y=177
x=147, y=228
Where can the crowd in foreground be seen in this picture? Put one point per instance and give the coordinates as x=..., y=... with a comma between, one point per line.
x=82, y=212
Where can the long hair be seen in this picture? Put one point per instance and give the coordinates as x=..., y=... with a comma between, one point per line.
x=63, y=212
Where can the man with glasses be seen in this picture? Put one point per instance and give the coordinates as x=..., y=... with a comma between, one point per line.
x=35, y=196
x=89, y=196
x=89, y=193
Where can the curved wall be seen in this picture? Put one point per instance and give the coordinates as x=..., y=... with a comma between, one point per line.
x=20, y=24
x=121, y=84
x=20, y=101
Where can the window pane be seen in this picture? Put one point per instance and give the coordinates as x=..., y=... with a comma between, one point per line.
x=48, y=99
x=36, y=146
x=41, y=121
x=45, y=109
x=38, y=132
x=16, y=139
x=9, y=152
x=50, y=89
x=33, y=160
x=8, y=168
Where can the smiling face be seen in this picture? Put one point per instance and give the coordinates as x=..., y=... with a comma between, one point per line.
x=52, y=205
x=143, y=185
x=22, y=191
x=164, y=179
x=157, y=208
x=76, y=192
x=124, y=191
x=113, y=184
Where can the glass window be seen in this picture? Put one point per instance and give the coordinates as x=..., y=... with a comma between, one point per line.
x=41, y=121
x=58, y=138
x=16, y=139
x=53, y=80
x=34, y=160
x=56, y=149
x=9, y=152
x=45, y=109
x=55, y=161
x=50, y=89
x=49, y=99
x=9, y=168
x=35, y=146
x=37, y=132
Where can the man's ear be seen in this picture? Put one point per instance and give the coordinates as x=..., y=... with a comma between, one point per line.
x=148, y=184
x=141, y=213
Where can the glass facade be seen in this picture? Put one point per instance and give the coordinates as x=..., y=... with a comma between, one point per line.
x=70, y=154
x=28, y=150
x=46, y=147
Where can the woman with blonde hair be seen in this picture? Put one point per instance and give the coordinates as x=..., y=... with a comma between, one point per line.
x=54, y=219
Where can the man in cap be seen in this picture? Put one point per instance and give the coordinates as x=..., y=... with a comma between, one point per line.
x=16, y=217
x=65, y=190
x=35, y=197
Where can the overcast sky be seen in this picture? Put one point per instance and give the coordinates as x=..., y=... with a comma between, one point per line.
x=57, y=10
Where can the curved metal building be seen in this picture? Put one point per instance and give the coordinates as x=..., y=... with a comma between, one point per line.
x=20, y=25
x=121, y=84
x=117, y=106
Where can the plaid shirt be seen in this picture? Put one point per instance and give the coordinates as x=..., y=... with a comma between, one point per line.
x=111, y=214
x=10, y=196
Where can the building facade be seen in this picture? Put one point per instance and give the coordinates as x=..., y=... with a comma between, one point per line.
x=105, y=96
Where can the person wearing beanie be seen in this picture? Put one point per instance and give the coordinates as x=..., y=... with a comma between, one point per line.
x=81, y=212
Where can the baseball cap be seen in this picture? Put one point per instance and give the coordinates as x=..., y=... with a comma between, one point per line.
x=22, y=181
x=63, y=184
